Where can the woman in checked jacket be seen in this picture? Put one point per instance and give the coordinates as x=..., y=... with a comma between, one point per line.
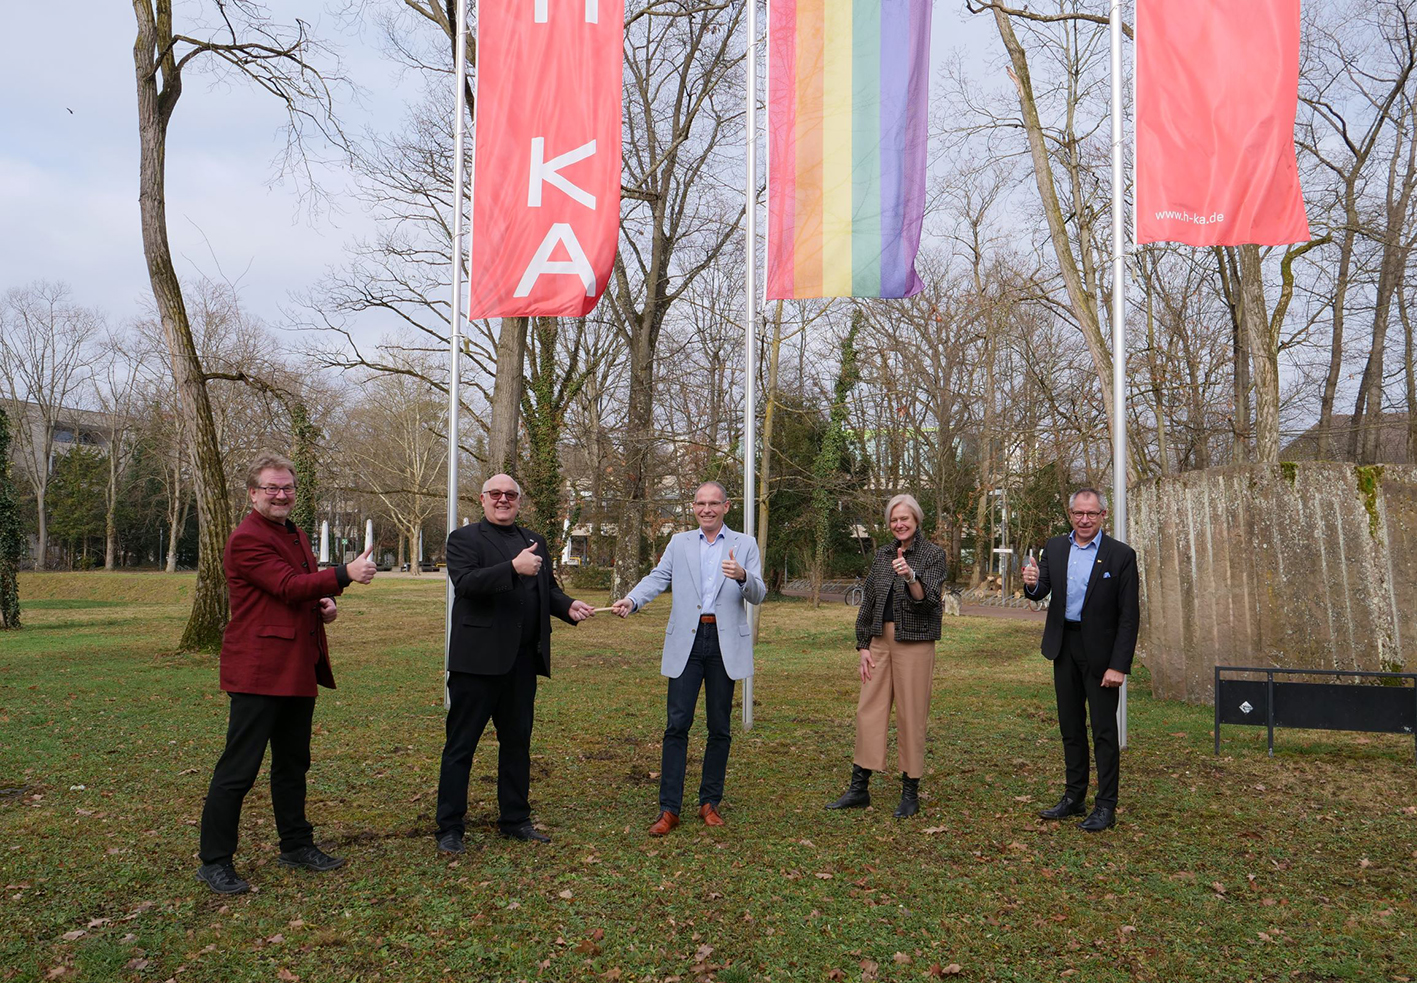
x=896, y=632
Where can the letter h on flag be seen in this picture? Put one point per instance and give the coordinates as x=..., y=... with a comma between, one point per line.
x=546, y=166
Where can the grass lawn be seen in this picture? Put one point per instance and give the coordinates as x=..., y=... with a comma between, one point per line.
x=1230, y=868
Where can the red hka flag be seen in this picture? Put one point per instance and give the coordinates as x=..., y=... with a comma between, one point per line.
x=1217, y=87
x=546, y=169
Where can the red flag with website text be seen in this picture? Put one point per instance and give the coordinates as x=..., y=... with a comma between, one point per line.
x=1217, y=88
x=546, y=166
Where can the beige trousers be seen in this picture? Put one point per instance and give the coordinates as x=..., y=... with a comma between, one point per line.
x=903, y=675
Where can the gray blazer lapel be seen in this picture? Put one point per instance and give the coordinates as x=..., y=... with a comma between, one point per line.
x=691, y=550
x=730, y=542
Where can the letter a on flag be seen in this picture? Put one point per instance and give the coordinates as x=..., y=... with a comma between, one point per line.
x=546, y=168
x=1217, y=86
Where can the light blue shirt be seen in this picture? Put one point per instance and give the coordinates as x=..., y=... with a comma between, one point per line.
x=710, y=569
x=1080, y=563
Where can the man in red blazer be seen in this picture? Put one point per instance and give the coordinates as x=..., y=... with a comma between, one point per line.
x=273, y=657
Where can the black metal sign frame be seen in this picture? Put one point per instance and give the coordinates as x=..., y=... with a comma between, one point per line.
x=1388, y=709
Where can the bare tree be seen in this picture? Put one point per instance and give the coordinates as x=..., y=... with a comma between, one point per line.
x=247, y=45
x=677, y=112
x=44, y=367
x=117, y=391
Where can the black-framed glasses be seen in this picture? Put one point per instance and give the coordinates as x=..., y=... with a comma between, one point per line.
x=497, y=493
x=1088, y=515
x=274, y=490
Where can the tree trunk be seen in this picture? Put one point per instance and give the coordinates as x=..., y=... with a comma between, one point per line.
x=41, y=546
x=1080, y=297
x=769, y=416
x=1409, y=373
x=639, y=447
x=1228, y=266
x=1335, y=355
x=110, y=524
x=1163, y=436
x=209, y=602
x=1264, y=354
x=507, y=388
x=1396, y=247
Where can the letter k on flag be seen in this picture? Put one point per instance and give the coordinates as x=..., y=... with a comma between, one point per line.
x=546, y=168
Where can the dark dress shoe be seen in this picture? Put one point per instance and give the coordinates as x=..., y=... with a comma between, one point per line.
x=524, y=831
x=1067, y=806
x=1100, y=819
x=311, y=858
x=222, y=879
x=662, y=825
x=708, y=812
x=450, y=841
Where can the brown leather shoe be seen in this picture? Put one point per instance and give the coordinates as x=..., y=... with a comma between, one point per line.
x=708, y=812
x=662, y=825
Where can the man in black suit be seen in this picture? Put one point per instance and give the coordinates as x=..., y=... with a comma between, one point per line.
x=504, y=597
x=1090, y=637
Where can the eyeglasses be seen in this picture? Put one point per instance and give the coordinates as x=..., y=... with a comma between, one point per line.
x=274, y=490
x=707, y=505
x=1088, y=515
x=497, y=493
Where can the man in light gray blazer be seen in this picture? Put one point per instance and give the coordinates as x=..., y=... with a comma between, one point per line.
x=714, y=573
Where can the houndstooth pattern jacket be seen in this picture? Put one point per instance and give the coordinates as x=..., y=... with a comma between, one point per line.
x=915, y=621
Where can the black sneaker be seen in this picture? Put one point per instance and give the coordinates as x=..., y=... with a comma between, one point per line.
x=311, y=858
x=222, y=878
x=450, y=841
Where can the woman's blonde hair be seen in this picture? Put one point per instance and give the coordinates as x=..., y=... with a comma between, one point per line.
x=909, y=502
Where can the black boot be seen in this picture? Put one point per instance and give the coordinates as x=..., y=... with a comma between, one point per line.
x=858, y=793
x=909, y=798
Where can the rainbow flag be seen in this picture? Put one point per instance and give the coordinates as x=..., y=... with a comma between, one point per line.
x=848, y=86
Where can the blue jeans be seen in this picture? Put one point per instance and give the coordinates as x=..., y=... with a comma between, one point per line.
x=705, y=666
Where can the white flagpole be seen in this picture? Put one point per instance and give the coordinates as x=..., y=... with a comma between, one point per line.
x=750, y=409
x=455, y=343
x=1119, y=334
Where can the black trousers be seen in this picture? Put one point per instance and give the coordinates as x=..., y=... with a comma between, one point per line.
x=255, y=721
x=1079, y=692
x=705, y=667
x=509, y=702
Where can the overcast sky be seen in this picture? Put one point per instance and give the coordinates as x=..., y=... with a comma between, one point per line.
x=69, y=161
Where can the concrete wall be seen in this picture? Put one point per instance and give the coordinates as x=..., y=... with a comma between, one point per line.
x=1308, y=565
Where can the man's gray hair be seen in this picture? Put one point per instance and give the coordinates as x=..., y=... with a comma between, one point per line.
x=266, y=462
x=1101, y=498
x=717, y=484
x=500, y=474
x=909, y=502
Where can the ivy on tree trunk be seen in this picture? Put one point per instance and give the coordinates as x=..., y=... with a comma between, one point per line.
x=12, y=543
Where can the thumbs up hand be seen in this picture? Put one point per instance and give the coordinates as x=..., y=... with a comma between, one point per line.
x=733, y=570
x=900, y=566
x=362, y=567
x=527, y=562
x=1030, y=570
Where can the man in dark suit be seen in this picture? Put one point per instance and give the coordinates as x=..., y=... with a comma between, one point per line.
x=1090, y=637
x=273, y=657
x=504, y=597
